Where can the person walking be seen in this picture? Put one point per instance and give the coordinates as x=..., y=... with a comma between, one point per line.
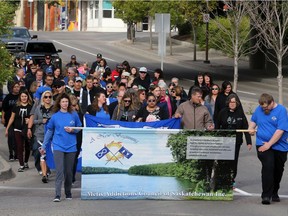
x=194, y=114
x=63, y=136
x=41, y=114
x=232, y=118
x=99, y=107
x=151, y=112
x=20, y=118
x=8, y=103
x=271, y=121
x=125, y=110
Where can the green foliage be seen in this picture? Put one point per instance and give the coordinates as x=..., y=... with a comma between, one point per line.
x=101, y=170
x=131, y=11
x=198, y=171
x=222, y=40
x=184, y=29
x=162, y=169
x=7, y=13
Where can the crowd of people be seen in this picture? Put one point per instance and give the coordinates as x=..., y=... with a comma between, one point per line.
x=40, y=95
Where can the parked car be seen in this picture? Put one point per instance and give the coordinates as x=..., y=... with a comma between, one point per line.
x=15, y=41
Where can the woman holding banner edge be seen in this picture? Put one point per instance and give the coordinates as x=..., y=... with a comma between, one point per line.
x=64, y=143
x=232, y=117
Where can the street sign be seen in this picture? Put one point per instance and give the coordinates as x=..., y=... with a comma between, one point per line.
x=162, y=26
x=206, y=18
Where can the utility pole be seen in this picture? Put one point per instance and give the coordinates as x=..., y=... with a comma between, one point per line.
x=206, y=18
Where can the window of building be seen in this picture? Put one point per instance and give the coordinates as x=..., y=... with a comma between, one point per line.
x=107, y=9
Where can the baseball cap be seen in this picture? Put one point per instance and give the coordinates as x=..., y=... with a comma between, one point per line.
x=99, y=55
x=125, y=73
x=78, y=79
x=73, y=57
x=47, y=56
x=143, y=69
x=48, y=70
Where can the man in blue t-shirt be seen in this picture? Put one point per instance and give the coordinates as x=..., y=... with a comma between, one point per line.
x=272, y=144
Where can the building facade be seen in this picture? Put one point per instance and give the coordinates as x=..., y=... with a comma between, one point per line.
x=73, y=15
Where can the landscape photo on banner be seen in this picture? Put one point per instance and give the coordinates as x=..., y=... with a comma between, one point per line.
x=124, y=163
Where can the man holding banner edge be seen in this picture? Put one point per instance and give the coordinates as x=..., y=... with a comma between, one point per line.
x=271, y=121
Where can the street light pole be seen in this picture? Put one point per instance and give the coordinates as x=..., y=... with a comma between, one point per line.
x=207, y=35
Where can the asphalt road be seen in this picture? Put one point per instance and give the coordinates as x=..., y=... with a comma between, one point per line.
x=25, y=194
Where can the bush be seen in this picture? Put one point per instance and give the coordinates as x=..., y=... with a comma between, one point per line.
x=184, y=29
x=216, y=36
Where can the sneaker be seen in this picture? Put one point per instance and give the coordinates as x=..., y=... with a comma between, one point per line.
x=21, y=169
x=11, y=158
x=56, y=199
x=48, y=173
x=26, y=166
x=275, y=198
x=69, y=197
x=266, y=200
x=44, y=179
x=40, y=173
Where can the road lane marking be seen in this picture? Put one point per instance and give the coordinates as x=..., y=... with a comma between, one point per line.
x=244, y=92
x=80, y=50
x=242, y=192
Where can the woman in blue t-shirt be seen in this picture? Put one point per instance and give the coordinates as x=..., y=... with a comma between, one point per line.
x=99, y=107
x=63, y=136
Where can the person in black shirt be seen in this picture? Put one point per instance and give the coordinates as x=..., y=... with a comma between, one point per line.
x=151, y=112
x=7, y=106
x=20, y=118
x=232, y=117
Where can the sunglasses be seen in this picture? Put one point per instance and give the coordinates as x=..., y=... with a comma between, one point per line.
x=57, y=87
x=149, y=101
x=108, y=86
x=47, y=97
x=127, y=101
x=215, y=89
x=95, y=83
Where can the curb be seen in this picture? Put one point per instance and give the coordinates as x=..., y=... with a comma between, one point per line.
x=5, y=170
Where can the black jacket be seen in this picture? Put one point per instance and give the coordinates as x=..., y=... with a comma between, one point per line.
x=227, y=119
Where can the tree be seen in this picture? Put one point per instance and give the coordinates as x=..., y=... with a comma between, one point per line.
x=232, y=34
x=170, y=7
x=131, y=12
x=192, y=11
x=7, y=13
x=271, y=22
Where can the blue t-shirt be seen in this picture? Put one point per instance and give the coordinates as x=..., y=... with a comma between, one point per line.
x=102, y=114
x=267, y=125
x=62, y=140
